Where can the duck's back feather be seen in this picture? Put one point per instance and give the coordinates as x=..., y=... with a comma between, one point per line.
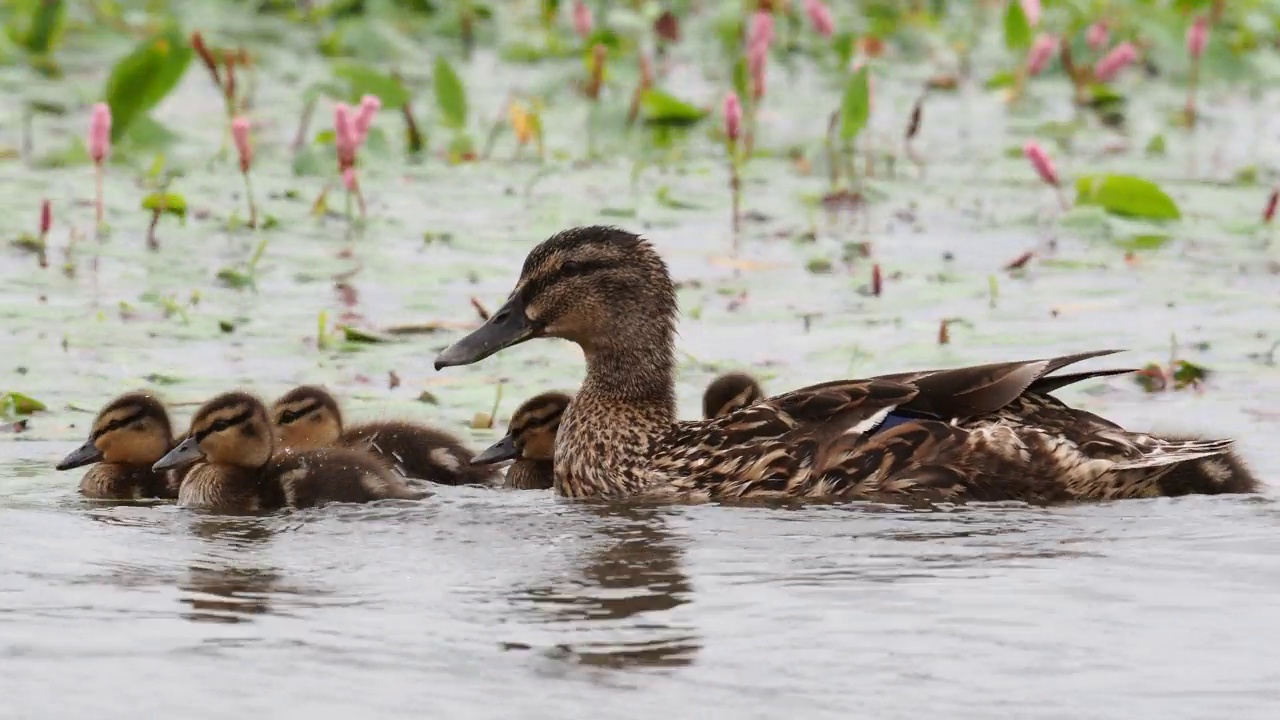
x=419, y=452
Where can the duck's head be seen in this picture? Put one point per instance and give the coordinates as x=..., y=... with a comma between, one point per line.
x=133, y=429
x=531, y=435
x=306, y=417
x=231, y=429
x=598, y=286
x=729, y=392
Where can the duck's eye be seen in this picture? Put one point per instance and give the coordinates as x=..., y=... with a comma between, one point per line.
x=573, y=267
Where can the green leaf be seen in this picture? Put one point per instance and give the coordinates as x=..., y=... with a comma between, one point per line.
x=1127, y=196
x=451, y=95
x=364, y=80
x=664, y=198
x=1147, y=241
x=13, y=404
x=742, y=79
x=1001, y=79
x=1156, y=145
x=660, y=108
x=46, y=26
x=1017, y=31
x=145, y=76
x=356, y=335
x=162, y=202
x=855, y=107
x=235, y=278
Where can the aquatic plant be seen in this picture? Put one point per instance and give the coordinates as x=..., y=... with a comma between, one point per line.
x=1197, y=38
x=99, y=147
x=732, y=132
x=240, y=135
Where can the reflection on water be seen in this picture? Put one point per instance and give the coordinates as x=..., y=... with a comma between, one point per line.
x=225, y=587
x=624, y=587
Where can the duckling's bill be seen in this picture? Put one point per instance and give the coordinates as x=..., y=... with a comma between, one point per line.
x=188, y=451
x=508, y=326
x=504, y=449
x=83, y=455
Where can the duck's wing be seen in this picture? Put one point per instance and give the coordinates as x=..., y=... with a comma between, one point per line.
x=773, y=445
x=980, y=389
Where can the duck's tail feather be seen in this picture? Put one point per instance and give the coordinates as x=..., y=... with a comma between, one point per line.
x=1158, y=452
x=1224, y=472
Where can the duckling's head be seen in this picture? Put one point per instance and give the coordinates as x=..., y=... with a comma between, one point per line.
x=730, y=392
x=531, y=435
x=231, y=429
x=133, y=429
x=600, y=287
x=306, y=417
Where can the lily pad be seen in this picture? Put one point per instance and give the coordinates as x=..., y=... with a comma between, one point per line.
x=661, y=108
x=1127, y=196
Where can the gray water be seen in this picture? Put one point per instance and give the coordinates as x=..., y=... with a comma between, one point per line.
x=483, y=603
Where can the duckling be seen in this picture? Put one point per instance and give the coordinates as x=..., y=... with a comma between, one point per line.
x=128, y=435
x=308, y=417
x=986, y=432
x=731, y=391
x=531, y=434
x=239, y=471
x=530, y=441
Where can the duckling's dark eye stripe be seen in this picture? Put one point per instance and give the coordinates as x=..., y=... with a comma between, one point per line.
x=221, y=425
x=117, y=424
x=289, y=416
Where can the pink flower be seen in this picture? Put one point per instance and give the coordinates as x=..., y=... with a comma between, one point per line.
x=1041, y=162
x=369, y=107
x=732, y=116
x=1031, y=8
x=1097, y=35
x=344, y=135
x=349, y=179
x=1197, y=37
x=100, y=133
x=1120, y=57
x=581, y=19
x=240, y=134
x=757, y=60
x=761, y=32
x=1041, y=53
x=820, y=16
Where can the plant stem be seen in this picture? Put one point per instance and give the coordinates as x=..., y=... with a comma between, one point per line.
x=153, y=243
x=253, y=207
x=735, y=187
x=1192, y=84
x=98, y=179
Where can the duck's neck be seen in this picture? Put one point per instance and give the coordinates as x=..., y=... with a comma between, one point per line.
x=627, y=402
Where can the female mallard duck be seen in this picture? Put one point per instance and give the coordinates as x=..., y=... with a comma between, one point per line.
x=307, y=417
x=530, y=441
x=531, y=434
x=731, y=391
x=239, y=472
x=989, y=432
x=129, y=434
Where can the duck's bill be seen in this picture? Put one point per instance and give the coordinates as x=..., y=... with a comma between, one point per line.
x=83, y=455
x=504, y=449
x=509, y=326
x=186, y=452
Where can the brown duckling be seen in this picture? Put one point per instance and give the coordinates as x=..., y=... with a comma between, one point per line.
x=128, y=436
x=308, y=417
x=240, y=472
x=530, y=441
x=731, y=391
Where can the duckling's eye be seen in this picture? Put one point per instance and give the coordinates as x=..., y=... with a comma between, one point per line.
x=220, y=426
x=572, y=267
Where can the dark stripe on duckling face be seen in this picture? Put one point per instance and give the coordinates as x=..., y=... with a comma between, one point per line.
x=224, y=424
x=291, y=416
x=117, y=424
